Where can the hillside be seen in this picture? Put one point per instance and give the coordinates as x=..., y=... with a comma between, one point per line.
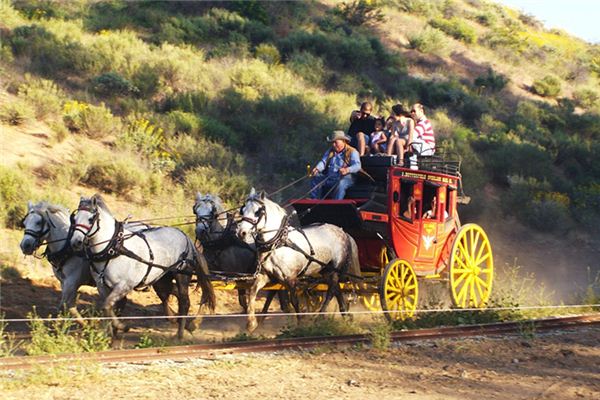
x=150, y=102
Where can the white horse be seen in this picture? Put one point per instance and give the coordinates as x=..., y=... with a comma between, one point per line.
x=49, y=223
x=124, y=260
x=285, y=253
x=46, y=222
x=224, y=251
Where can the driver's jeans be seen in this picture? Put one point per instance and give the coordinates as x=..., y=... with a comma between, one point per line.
x=327, y=188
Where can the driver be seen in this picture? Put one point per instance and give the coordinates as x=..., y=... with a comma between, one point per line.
x=337, y=167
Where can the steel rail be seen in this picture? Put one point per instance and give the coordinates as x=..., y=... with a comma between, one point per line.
x=212, y=351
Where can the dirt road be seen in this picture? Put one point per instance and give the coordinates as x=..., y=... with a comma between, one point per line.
x=556, y=366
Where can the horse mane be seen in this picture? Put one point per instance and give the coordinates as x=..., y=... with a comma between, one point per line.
x=101, y=203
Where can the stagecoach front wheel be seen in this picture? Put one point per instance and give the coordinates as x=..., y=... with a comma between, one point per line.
x=471, y=267
x=371, y=302
x=399, y=290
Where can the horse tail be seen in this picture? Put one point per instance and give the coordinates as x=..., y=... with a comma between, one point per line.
x=201, y=269
x=352, y=261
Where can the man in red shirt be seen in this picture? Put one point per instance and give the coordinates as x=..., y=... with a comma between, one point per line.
x=423, y=143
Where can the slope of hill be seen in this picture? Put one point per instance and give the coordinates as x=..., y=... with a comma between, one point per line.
x=149, y=102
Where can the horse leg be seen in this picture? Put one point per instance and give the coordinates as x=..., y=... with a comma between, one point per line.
x=243, y=300
x=183, y=299
x=332, y=283
x=268, y=301
x=284, y=300
x=118, y=292
x=260, y=282
x=163, y=289
x=68, y=299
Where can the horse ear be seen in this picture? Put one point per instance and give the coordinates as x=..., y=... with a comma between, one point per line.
x=94, y=201
x=198, y=196
x=252, y=192
x=262, y=195
x=29, y=205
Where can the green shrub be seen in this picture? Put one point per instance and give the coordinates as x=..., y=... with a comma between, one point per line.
x=184, y=122
x=430, y=41
x=16, y=112
x=62, y=336
x=113, y=84
x=194, y=102
x=94, y=121
x=192, y=153
x=14, y=193
x=231, y=187
x=586, y=98
x=267, y=53
x=146, y=140
x=492, y=81
x=486, y=19
x=360, y=12
x=8, y=342
x=310, y=67
x=548, y=86
x=45, y=97
x=455, y=27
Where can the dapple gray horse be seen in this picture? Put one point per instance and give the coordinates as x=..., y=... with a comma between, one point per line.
x=224, y=251
x=124, y=260
x=285, y=253
x=49, y=223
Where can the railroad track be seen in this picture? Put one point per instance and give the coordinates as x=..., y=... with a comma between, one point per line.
x=211, y=351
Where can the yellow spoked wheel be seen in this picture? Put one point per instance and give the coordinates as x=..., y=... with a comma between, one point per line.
x=371, y=302
x=399, y=290
x=471, y=267
x=310, y=301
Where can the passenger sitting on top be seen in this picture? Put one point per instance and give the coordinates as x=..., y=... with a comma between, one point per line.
x=337, y=168
x=361, y=124
x=403, y=129
x=378, y=138
x=432, y=213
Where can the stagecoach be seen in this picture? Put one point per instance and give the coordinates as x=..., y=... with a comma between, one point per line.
x=406, y=225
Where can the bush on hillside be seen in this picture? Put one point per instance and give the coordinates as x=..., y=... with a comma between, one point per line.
x=45, y=97
x=231, y=188
x=455, y=27
x=360, y=12
x=308, y=66
x=548, y=86
x=14, y=194
x=148, y=141
x=113, y=84
x=492, y=81
x=16, y=112
x=184, y=122
x=96, y=122
x=267, y=53
x=586, y=98
x=429, y=41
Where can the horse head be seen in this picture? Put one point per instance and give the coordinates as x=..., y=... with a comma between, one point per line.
x=259, y=216
x=85, y=221
x=207, y=209
x=36, y=227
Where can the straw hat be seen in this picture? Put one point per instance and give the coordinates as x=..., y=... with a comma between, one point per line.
x=338, y=135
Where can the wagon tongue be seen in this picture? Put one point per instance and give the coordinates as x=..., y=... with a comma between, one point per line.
x=343, y=213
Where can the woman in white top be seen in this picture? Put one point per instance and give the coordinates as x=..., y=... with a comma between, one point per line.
x=402, y=132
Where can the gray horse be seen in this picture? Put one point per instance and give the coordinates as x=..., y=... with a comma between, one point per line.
x=224, y=251
x=285, y=253
x=124, y=260
x=49, y=223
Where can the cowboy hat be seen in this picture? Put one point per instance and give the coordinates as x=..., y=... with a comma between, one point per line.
x=338, y=135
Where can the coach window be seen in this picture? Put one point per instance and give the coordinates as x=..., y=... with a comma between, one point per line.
x=430, y=195
x=409, y=205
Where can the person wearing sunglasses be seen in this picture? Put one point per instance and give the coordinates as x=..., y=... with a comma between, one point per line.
x=362, y=123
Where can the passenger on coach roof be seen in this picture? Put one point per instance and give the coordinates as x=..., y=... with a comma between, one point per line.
x=401, y=132
x=337, y=167
x=361, y=124
x=378, y=138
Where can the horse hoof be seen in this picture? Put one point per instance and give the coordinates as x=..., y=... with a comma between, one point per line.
x=252, y=325
x=191, y=326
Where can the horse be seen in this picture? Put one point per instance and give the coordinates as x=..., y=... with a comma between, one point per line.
x=285, y=253
x=224, y=251
x=49, y=223
x=124, y=260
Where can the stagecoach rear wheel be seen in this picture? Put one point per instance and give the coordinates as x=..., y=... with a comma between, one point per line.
x=471, y=267
x=399, y=291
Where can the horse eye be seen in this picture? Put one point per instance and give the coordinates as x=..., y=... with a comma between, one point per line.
x=257, y=213
x=91, y=220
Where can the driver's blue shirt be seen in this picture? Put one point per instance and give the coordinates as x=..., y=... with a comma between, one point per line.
x=337, y=162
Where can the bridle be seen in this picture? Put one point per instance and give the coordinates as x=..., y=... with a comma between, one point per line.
x=84, y=229
x=260, y=214
x=205, y=220
x=38, y=234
